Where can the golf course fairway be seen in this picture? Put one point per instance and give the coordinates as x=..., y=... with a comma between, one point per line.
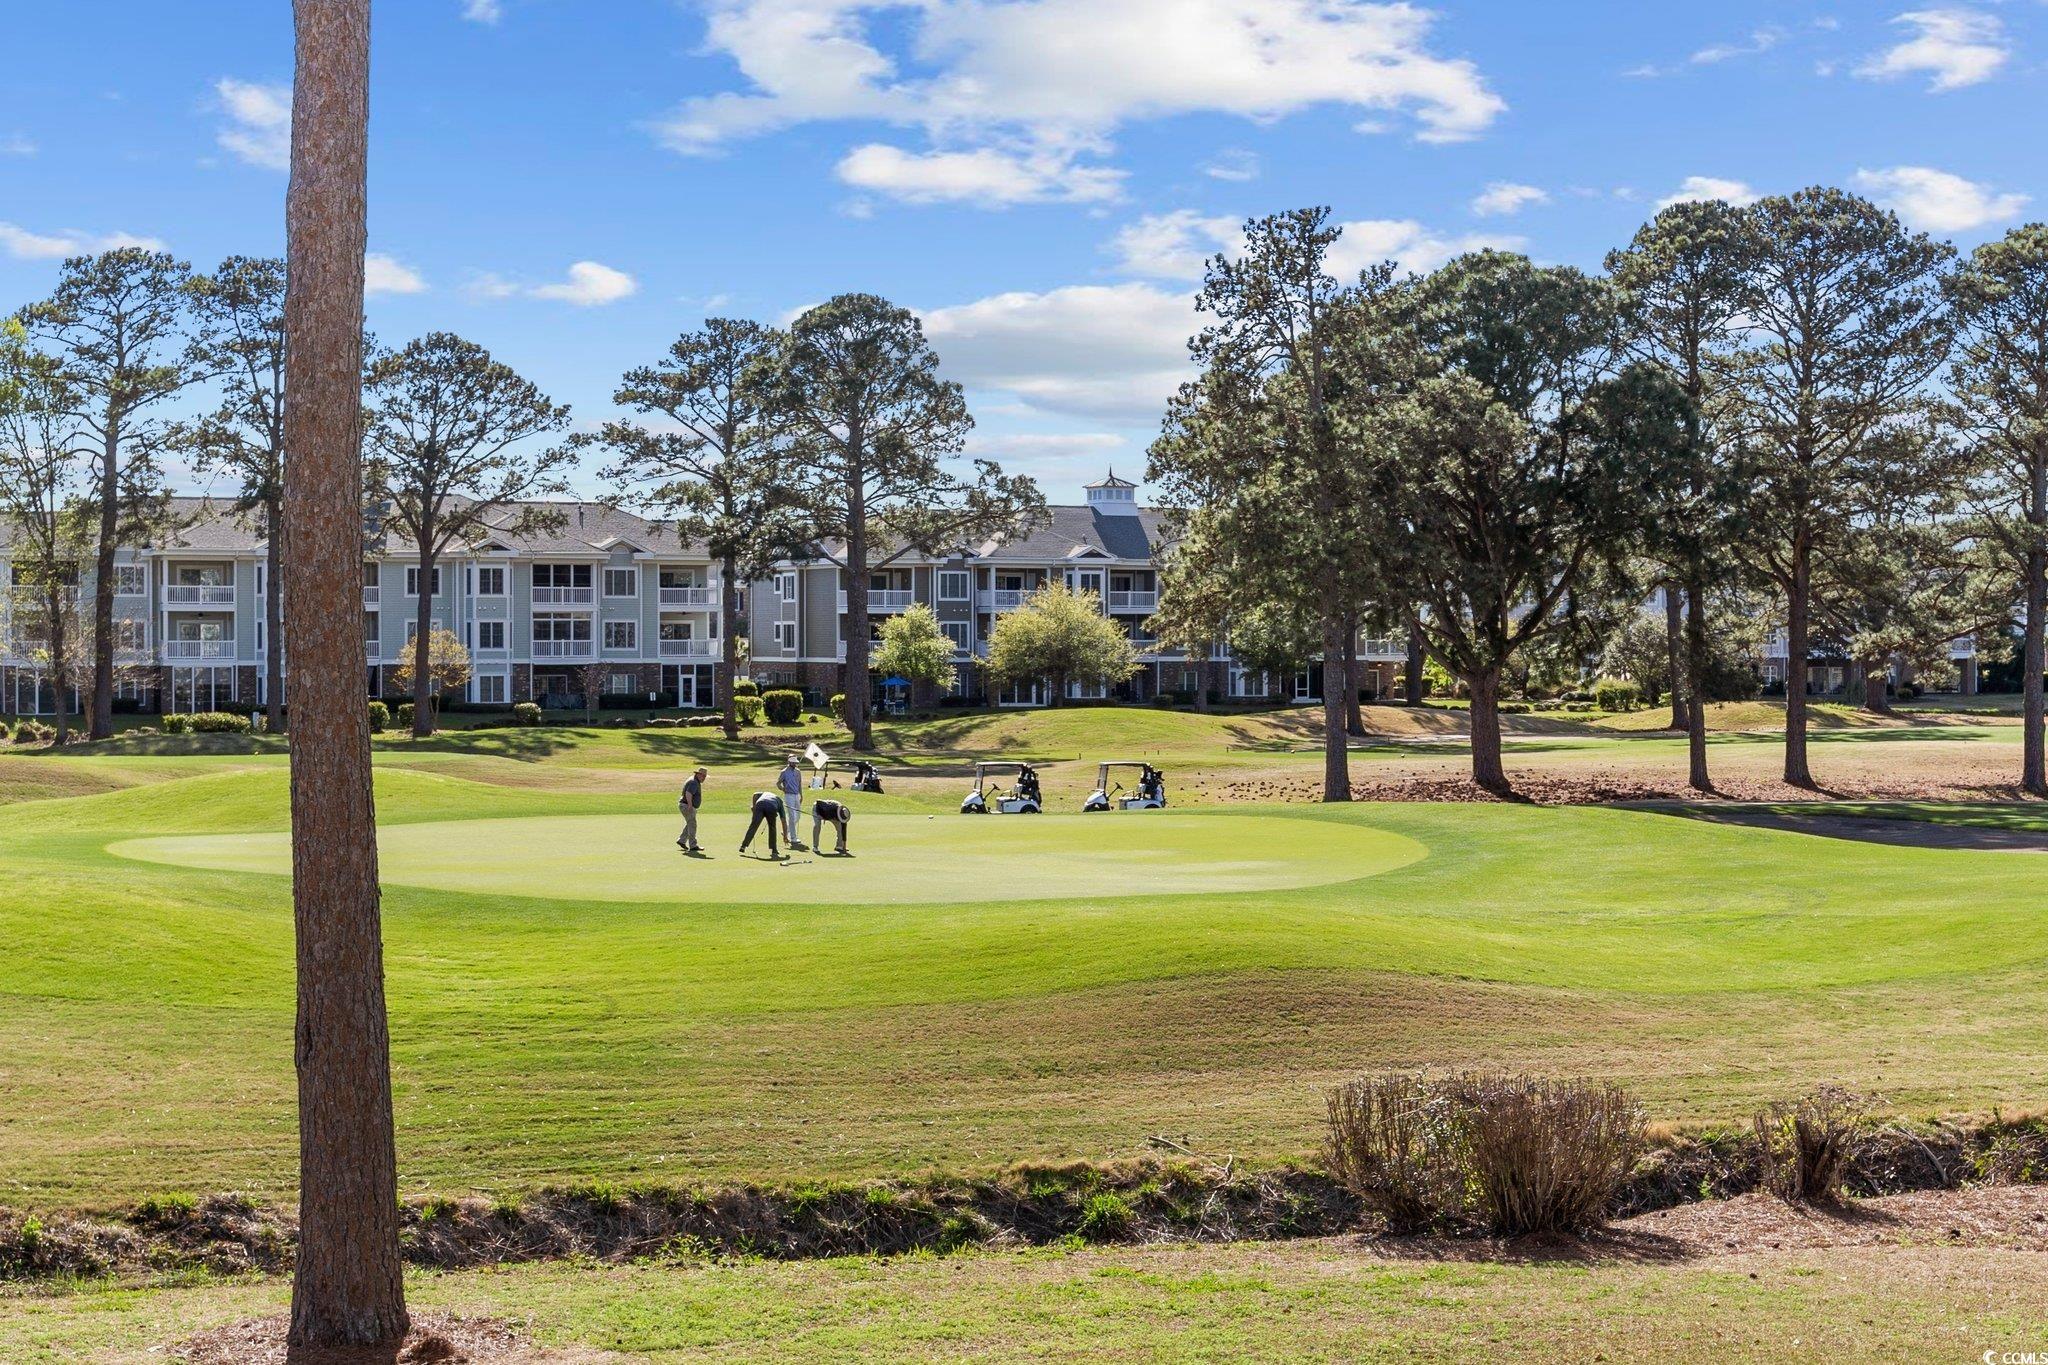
x=896, y=859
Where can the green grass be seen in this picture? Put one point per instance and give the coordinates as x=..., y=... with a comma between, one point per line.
x=1317, y=1302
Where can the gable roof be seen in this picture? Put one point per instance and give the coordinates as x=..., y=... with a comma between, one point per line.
x=1083, y=532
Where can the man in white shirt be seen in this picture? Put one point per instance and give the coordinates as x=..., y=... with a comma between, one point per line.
x=790, y=782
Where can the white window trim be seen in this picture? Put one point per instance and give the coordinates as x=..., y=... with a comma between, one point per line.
x=632, y=574
x=504, y=580
x=631, y=628
x=966, y=585
x=412, y=581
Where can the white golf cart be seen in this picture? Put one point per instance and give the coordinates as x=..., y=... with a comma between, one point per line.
x=1150, y=793
x=1022, y=798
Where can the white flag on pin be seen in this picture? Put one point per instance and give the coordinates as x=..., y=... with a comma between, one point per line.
x=818, y=758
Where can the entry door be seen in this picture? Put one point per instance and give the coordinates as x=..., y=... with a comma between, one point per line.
x=1086, y=580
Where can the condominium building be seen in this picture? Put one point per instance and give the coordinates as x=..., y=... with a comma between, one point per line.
x=585, y=594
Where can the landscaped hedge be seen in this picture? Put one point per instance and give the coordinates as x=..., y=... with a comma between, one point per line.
x=746, y=687
x=380, y=717
x=526, y=713
x=1617, y=694
x=206, y=723
x=749, y=708
x=783, y=706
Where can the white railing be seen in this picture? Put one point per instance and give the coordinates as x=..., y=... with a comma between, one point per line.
x=564, y=649
x=1383, y=647
x=688, y=597
x=564, y=597
x=370, y=648
x=1006, y=599
x=1963, y=647
x=199, y=649
x=199, y=595
x=371, y=594
x=1133, y=601
x=890, y=599
x=686, y=649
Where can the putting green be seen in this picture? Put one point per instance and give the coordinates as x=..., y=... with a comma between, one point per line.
x=896, y=858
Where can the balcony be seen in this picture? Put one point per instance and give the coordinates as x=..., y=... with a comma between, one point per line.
x=685, y=597
x=199, y=595
x=687, y=649
x=564, y=597
x=882, y=600
x=371, y=595
x=199, y=649
x=1383, y=647
x=370, y=650
x=565, y=649
x=1006, y=599
x=1134, y=601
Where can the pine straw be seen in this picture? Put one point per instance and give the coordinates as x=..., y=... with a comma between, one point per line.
x=435, y=1339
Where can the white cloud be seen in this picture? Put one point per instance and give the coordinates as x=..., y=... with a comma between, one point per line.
x=587, y=285
x=15, y=144
x=986, y=176
x=1233, y=164
x=1177, y=245
x=483, y=11
x=1112, y=352
x=1936, y=201
x=1504, y=197
x=1698, y=187
x=24, y=245
x=1759, y=42
x=384, y=274
x=259, y=127
x=1054, y=79
x=1055, y=456
x=1957, y=47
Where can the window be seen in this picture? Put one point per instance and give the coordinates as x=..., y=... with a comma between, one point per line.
x=561, y=575
x=491, y=687
x=785, y=586
x=490, y=635
x=952, y=585
x=618, y=684
x=956, y=631
x=129, y=580
x=785, y=635
x=546, y=627
x=621, y=582
x=129, y=634
x=412, y=580
x=490, y=580
x=621, y=634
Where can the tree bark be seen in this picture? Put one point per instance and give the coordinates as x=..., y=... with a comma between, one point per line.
x=1675, y=655
x=101, y=723
x=1417, y=685
x=859, y=714
x=1797, y=773
x=2034, y=653
x=273, y=622
x=422, y=646
x=1336, y=741
x=60, y=661
x=1354, y=718
x=729, y=646
x=347, y=1286
x=1695, y=685
x=1487, y=769
x=1875, y=699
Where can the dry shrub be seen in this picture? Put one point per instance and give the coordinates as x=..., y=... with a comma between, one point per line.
x=1807, y=1146
x=1545, y=1155
x=1391, y=1145
x=1516, y=1154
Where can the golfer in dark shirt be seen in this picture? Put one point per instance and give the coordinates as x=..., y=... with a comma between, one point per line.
x=688, y=802
x=834, y=813
x=767, y=811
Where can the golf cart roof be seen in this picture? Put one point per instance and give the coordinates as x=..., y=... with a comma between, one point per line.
x=1001, y=767
x=1123, y=763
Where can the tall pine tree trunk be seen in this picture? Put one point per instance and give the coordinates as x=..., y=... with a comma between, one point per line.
x=1416, y=684
x=729, y=647
x=1796, y=630
x=1695, y=684
x=347, y=1286
x=60, y=660
x=1354, y=718
x=859, y=711
x=1875, y=700
x=100, y=725
x=1675, y=655
x=273, y=623
x=1487, y=768
x=1336, y=743
x=422, y=647
x=2033, y=659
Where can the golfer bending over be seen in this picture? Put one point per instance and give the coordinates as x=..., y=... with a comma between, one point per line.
x=687, y=803
x=791, y=782
x=838, y=814
x=767, y=811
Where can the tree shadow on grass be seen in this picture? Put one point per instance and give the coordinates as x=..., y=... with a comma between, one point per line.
x=1903, y=824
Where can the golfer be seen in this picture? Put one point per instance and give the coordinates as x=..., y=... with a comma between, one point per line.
x=687, y=803
x=791, y=783
x=767, y=811
x=836, y=813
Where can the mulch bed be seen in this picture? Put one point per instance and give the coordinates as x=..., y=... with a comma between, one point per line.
x=436, y=1339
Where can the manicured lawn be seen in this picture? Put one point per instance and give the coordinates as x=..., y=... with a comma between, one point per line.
x=1288, y=1302
x=558, y=1011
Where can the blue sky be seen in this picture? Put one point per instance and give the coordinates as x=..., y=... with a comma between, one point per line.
x=572, y=182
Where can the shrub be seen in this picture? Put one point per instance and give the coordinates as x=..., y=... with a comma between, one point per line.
x=747, y=708
x=403, y=715
x=745, y=687
x=1617, y=694
x=1807, y=1145
x=1390, y=1144
x=33, y=732
x=783, y=705
x=380, y=717
x=526, y=713
x=177, y=723
x=219, y=723
x=1516, y=1154
x=1545, y=1155
x=838, y=704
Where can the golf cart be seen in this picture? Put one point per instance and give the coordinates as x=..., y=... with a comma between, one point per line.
x=1021, y=799
x=862, y=776
x=1149, y=795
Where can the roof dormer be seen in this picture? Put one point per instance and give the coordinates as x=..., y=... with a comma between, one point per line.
x=1112, y=496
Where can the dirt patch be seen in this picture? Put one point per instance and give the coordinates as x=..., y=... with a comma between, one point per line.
x=435, y=1339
